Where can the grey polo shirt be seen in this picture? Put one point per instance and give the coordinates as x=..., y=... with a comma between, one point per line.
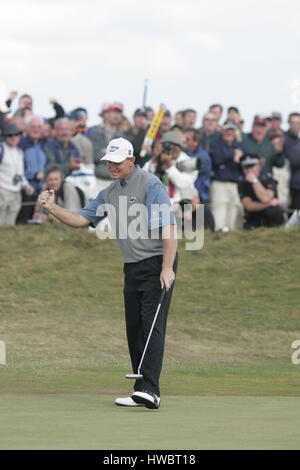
x=137, y=209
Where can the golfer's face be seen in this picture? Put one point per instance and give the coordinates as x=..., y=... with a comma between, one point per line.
x=121, y=170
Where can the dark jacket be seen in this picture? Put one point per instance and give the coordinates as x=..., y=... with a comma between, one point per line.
x=266, y=150
x=27, y=142
x=224, y=167
x=295, y=167
x=290, y=140
x=207, y=140
x=60, y=156
x=202, y=182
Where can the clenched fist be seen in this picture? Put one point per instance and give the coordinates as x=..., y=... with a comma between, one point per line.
x=46, y=199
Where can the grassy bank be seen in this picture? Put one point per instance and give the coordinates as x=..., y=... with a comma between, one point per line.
x=235, y=313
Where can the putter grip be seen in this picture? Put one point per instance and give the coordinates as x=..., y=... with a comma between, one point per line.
x=162, y=295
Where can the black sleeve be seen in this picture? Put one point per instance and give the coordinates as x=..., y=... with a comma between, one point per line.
x=60, y=112
x=2, y=123
x=242, y=189
x=270, y=183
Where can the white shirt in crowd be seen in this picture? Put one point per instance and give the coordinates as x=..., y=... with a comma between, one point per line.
x=12, y=164
x=183, y=182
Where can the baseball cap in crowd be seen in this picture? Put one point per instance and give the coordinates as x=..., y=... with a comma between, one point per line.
x=260, y=120
x=11, y=129
x=276, y=115
x=114, y=107
x=73, y=115
x=140, y=112
x=229, y=124
x=173, y=137
x=249, y=159
x=118, y=150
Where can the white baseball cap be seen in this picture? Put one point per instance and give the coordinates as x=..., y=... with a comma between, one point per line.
x=118, y=150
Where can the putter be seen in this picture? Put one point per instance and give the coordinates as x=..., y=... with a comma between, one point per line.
x=139, y=375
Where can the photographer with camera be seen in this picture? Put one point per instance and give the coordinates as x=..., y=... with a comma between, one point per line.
x=12, y=179
x=167, y=154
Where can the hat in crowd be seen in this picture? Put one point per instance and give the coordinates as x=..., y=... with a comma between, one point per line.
x=229, y=124
x=276, y=115
x=260, y=120
x=114, y=107
x=173, y=137
x=249, y=159
x=118, y=150
x=140, y=112
x=73, y=115
x=11, y=129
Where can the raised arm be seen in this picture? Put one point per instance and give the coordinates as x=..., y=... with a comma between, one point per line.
x=65, y=216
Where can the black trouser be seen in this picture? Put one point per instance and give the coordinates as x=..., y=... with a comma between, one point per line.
x=142, y=291
x=269, y=217
x=26, y=211
x=295, y=196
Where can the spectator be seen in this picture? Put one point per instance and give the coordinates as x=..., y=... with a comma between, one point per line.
x=60, y=150
x=226, y=153
x=48, y=131
x=67, y=195
x=139, y=131
x=25, y=101
x=4, y=110
x=209, y=131
x=150, y=114
x=189, y=118
x=292, y=135
x=180, y=184
x=294, y=159
x=100, y=136
x=12, y=178
x=23, y=113
x=202, y=183
x=281, y=175
x=276, y=121
x=258, y=195
x=257, y=142
x=81, y=142
x=35, y=163
x=178, y=119
x=233, y=114
x=126, y=128
x=165, y=125
x=19, y=122
x=81, y=116
x=217, y=110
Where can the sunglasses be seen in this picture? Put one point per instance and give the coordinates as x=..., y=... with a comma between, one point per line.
x=13, y=135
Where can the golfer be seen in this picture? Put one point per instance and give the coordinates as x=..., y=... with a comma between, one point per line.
x=150, y=261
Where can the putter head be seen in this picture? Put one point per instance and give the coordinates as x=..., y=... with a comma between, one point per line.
x=134, y=376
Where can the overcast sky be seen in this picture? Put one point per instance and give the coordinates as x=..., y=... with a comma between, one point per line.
x=193, y=53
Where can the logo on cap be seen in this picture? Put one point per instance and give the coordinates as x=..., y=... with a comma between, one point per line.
x=113, y=148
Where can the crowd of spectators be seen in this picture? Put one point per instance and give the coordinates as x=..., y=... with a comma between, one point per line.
x=243, y=179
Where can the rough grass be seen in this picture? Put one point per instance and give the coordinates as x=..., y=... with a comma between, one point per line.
x=235, y=313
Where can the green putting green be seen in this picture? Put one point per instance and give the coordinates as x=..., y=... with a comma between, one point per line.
x=94, y=422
